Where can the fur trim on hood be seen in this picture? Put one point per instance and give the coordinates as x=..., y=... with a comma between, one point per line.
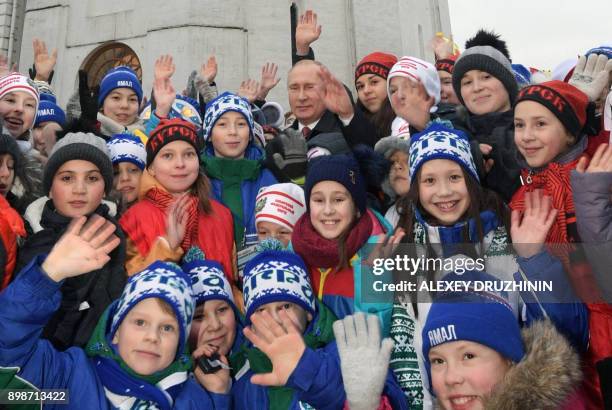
x=33, y=215
x=547, y=376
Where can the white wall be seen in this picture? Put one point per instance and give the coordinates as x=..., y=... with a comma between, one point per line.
x=242, y=34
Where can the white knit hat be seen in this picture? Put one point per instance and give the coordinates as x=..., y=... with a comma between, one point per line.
x=281, y=204
x=418, y=70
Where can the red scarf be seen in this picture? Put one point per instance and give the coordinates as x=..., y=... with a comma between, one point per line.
x=555, y=181
x=323, y=253
x=163, y=200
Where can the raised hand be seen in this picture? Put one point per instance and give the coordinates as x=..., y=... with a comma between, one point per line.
x=269, y=80
x=209, y=69
x=335, y=96
x=164, y=94
x=43, y=61
x=601, y=161
x=88, y=98
x=176, y=221
x=84, y=247
x=306, y=32
x=529, y=229
x=164, y=67
x=591, y=75
x=364, y=360
x=249, y=90
x=281, y=342
x=218, y=382
x=442, y=47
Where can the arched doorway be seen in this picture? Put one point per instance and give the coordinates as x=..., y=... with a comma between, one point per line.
x=107, y=56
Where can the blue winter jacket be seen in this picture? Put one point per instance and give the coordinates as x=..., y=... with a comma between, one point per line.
x=248, y=189
x=317, y=379
x=25, y=307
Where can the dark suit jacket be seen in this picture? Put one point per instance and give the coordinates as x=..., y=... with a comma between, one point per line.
x=358, y=131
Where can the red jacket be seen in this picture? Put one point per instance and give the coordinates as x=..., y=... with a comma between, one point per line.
x=11, y=226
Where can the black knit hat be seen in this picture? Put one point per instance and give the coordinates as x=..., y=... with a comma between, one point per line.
x=8, y=145
x=486, y=52
x=86, y=147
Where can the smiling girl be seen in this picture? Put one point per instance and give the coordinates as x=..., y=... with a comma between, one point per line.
x=447, y=213
x=175, y=211
x=334, y=230
x=18, y=105
x=234, y=162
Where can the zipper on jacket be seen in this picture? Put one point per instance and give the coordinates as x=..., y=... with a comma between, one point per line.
x=324, y=273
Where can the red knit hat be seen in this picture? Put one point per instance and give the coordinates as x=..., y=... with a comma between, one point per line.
x=446, y=64
x=565, y=101
x=375, y=63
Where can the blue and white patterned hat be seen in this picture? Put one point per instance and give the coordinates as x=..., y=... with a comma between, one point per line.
x=161, y=280
x=222, y=104
x=127, y=148
x=276, y=276
x=182, y=107
x=440, y=142
x=208, y=281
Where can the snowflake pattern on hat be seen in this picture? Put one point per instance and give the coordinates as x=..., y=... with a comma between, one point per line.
x=277, y=276
x=159, y=280
x=222, y=104
x=439, y=142
x=208, y=281
x=127, y=148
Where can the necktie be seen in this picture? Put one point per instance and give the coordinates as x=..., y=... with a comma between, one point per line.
x=306, y=132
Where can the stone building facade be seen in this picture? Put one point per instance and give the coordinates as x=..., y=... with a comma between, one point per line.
x=243, y=34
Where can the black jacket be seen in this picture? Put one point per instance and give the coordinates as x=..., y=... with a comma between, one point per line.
x=85, y=297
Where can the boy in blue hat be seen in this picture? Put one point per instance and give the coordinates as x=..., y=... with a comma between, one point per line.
x=136, y=357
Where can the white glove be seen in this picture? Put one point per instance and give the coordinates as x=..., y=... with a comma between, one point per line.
x=363, y=359
x=591, y=75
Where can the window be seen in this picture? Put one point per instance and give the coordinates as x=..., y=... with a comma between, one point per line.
x=108, y=56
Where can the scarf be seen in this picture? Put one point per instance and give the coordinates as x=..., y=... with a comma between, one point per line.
x=232, y=172
x=162, y=199
x=554, y=179
x=318, y=334
x=160, y=389
x=323, y=253
x=110, y=127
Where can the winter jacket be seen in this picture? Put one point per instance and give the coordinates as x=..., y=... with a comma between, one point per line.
x=497, y=130
x=545, y=378
x=593, y=204
x=85, y=297
x=571, y=319
x=25, y=307
x=11, y=227
x=144, y=224
x=317, y=379
x=223, y=172
x=349, y=290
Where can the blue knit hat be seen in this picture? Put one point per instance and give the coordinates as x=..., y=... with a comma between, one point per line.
x=164, y=281
x=439, y=142
x=342, y=168
x=208, y=281
x=522, y=75
x=182, y=107
x=119, y=77
x=127, y=148
x=276, y=276
x=222, y=104
x=49, y=111
x=481, y=317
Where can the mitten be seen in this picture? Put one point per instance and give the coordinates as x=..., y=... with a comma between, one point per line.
x=88, y=98
x=287, y=155
x=591, y=75
x=364, y=361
